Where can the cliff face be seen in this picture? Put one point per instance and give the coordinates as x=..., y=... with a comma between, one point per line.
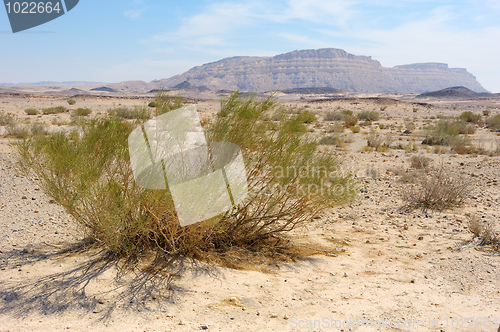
x=333, y=68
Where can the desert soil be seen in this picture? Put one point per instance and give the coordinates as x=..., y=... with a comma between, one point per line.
x=389, y=266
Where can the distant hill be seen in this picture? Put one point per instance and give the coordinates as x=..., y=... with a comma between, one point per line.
x=51, y=83
x=332, y=68
x=457, y=92
x=309, y=91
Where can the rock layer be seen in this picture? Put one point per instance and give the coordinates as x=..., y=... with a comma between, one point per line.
x=332, y=68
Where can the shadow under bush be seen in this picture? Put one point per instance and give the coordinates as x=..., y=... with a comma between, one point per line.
x=289, y=181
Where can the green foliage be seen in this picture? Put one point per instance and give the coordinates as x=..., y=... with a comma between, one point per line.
x=350, y=121
x=448, y=133
x=81, y=112
x=355, y=129
x=152, y=104
x=136, y=113
x=54, y=110
x=31, y=111
x=470, y=117
x=71, y=101
x=88, y=172
x=369, y=116
x=165, y=103
x=306, y=117
x=6, y=119
x=494, y=123
x=332, y=140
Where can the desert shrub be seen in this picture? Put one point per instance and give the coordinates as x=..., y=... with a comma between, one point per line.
x=6, y=119
x=71, y=101
x=468, y=116
x=369, y=116
x=81, y=111
x=436, y=190
x=152, y=104
x=494, y=123
x=381, y=126
x=334, y=116
x=448, y=133
x=18, y=131
x=31, y=111
x=355, y=129
x=350, y=121
x=306, y=117
x=165, y=103
x=54, y=110
x=378, y=142
x=38, y=129
x=289, y=182
x=419, y=162
x=332, y=140
x=483, y=232
x=130, y=114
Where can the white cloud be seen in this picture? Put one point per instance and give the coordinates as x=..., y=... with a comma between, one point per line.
x=138, y=8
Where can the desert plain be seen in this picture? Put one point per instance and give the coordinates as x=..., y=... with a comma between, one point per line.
x=389, y=269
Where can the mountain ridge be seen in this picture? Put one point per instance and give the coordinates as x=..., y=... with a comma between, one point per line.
x=333, y=68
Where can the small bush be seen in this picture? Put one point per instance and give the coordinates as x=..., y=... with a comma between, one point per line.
x=494, y=123
x=378, y=142
x=306, y=117
x=350, y=121
x=18, y=131
x=6, y=119
x=448, y=133
x=334, y=116
x=71, y=101
x=381, y=126
x=38, y=129
x=31, y=111
x=436, y=190
x=470, y=117
x=355, y=129
x=419, y=162
x=81, y=112
x=332, y=140
x=54, y=110
x=152, y=104
x=369, y=116
x=484, y=233
x=127, y=113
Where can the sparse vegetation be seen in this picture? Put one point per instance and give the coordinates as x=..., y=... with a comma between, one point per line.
x=484, y=233
x=136, y=113
x=31, y=111
x=54, y=110
x=306, y=117
x=350, y=121
x=494, y=123
x=448, y=133
x=470, y=117
x=436, y=190
x=71, y=101
x=6, y=119
x=355, y=129
x=81, y=111
x=369, y=116
x=419, y=162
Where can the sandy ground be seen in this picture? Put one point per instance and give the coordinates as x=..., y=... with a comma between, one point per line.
x=393, y=271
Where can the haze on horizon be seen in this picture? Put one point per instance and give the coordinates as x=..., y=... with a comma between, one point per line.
x=113, y=41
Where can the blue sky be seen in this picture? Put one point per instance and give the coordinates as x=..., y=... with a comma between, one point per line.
x=113, y=41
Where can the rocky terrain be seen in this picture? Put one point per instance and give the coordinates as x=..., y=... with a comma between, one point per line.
x=392, y=270
x=332, y=68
